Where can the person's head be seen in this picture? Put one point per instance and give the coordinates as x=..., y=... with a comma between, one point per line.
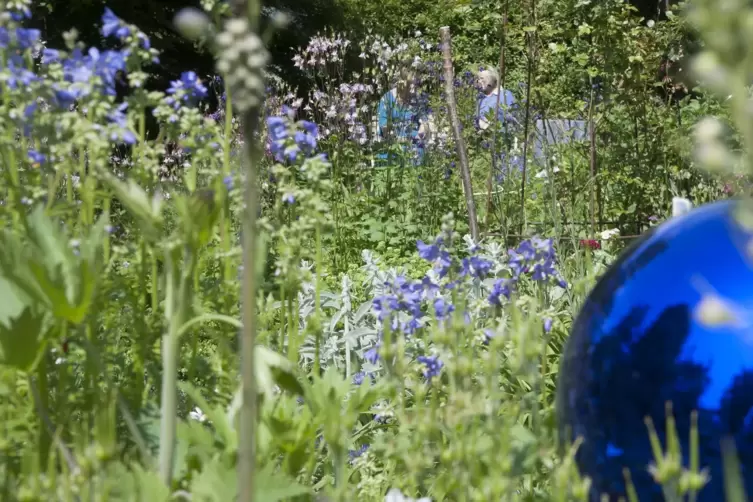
x=404, y=84
x=487, y=81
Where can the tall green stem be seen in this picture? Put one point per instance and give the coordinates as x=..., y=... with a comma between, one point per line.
x=177, y=303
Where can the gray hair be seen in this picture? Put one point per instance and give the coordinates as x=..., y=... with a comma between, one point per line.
x=490, y=74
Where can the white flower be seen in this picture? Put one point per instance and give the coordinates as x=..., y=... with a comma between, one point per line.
x=680, y=206
x=198, y=415
x=543, y=173
x=395, y=495
x=608, y=234
x=650, y=23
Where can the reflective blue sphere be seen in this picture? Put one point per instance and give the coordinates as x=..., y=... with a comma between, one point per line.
x=638, y=343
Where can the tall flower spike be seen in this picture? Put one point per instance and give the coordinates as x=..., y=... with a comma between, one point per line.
x=241, y=58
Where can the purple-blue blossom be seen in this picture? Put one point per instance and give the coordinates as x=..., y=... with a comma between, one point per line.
x=358, y=378
x=81, y=69
x=113, y=26
x=433, y=366
x=36, y=157
x=187, y=90
x=372, y=355
x=354, y=454
x=442, y=308
x=476, y=266
x=547, y=325
x=228, y=182
x=122, y=131
x=501, y=287
x=27, y=38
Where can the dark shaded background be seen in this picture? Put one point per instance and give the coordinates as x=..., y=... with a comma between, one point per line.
x=154, y=17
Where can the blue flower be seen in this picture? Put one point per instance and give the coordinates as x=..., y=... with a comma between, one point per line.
x=501, y=288
x=228, y=181
x=430, y=290
x=288, y=198
x=488, y=335
x=123, y=133
x=428, y=252
x=30, y=109
x=476, y=267
x=64, y=98
x=442, y=308
x=187, y=90
x=113, y=26
x=27, y=37
x=36, y=157
x=372, y=355
x=50, y=56
x=145, y=43
x=81, y=69
x=358, y=378
x=354, y=454
x=305, y=141
x=278, y=133
x=311, y=128
x=20, y=76
x=20, y=16
x=433, y=366
x=547, y=325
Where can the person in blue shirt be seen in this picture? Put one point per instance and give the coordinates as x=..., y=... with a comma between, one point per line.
x=398, y=119
x=491, y=94
x=488, y=82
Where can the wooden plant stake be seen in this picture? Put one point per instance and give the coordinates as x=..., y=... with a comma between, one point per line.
x=465, y=173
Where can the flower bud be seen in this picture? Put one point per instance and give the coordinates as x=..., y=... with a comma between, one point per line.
x=280, y=20
x=237, y=27
x=714, y=156
x=709, y=129
x=708, y=68
x=191, y=23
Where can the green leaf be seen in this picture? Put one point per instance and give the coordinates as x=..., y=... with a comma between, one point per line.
x=218, y=482
x=279, y=369
x=273, y=487
x=147, y=486
x=51, y=242
x=147, y=210
x=22, y=340
x=271, y=368
x=11, y=303
x=215, y=415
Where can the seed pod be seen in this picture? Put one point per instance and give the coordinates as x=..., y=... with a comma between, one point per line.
x=192, y=23
x=241, y=59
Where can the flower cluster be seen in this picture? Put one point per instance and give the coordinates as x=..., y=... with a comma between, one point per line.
x=534, y=257
x=288, y=140
x=186, y=91
x=433, y=366
x=322, y=51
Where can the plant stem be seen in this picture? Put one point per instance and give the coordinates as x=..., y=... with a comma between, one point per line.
x=247, y=423
x=177, y=303
x=444, y=35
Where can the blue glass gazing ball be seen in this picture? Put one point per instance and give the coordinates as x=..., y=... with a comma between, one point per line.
x=641, y=341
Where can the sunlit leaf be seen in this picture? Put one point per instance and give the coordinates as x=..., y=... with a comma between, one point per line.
x=22, y=340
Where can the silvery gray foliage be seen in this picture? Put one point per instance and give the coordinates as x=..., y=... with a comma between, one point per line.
x=346, y=331
x=350, y=331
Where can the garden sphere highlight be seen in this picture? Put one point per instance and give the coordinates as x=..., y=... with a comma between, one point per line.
x=670, y=321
